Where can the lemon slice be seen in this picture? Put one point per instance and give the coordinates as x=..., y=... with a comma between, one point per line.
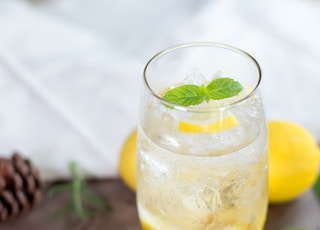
x=145, y=226
x=214, y=127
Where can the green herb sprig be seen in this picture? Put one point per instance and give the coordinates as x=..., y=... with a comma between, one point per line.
x=83, y=202
x=217, y=89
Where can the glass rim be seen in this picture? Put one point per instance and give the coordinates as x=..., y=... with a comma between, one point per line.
x=199, y=44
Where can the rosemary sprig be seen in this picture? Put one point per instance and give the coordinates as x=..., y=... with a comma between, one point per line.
x=83, y=202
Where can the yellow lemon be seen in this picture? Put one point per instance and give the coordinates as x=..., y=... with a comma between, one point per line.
x=127, y=160
x=213, y=127
x=293, y=161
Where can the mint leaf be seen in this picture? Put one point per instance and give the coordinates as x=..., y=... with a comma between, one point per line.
x=204, y=93
x=221, y=88
x=185, y=95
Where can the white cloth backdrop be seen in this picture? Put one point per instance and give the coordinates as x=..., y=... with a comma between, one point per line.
x=70, y=70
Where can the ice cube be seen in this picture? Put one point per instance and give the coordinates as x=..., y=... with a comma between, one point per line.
x=194, y=77
x=217, y=74
x=206, y=198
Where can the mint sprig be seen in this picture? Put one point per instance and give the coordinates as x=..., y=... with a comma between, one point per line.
x=217, y=89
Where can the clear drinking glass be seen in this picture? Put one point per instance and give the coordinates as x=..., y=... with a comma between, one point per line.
x=205, y=166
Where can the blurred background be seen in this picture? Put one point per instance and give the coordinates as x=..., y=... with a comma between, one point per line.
x=71, y=70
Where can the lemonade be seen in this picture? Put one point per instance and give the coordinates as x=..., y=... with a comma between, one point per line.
x=203, y=166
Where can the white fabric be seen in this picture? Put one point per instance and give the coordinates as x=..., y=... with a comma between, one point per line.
x=70, y=70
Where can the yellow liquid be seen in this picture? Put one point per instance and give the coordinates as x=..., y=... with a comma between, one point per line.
x=182, y=192
x=211, y=179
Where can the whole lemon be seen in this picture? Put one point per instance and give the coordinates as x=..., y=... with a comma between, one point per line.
x=127, y=160
x=293, y=161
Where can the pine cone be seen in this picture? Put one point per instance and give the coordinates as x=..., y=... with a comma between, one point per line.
x=20, y=186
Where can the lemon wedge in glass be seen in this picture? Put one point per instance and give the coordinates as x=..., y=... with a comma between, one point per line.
x=219, y=125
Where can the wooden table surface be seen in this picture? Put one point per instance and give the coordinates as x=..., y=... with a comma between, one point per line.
x=303, y=212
